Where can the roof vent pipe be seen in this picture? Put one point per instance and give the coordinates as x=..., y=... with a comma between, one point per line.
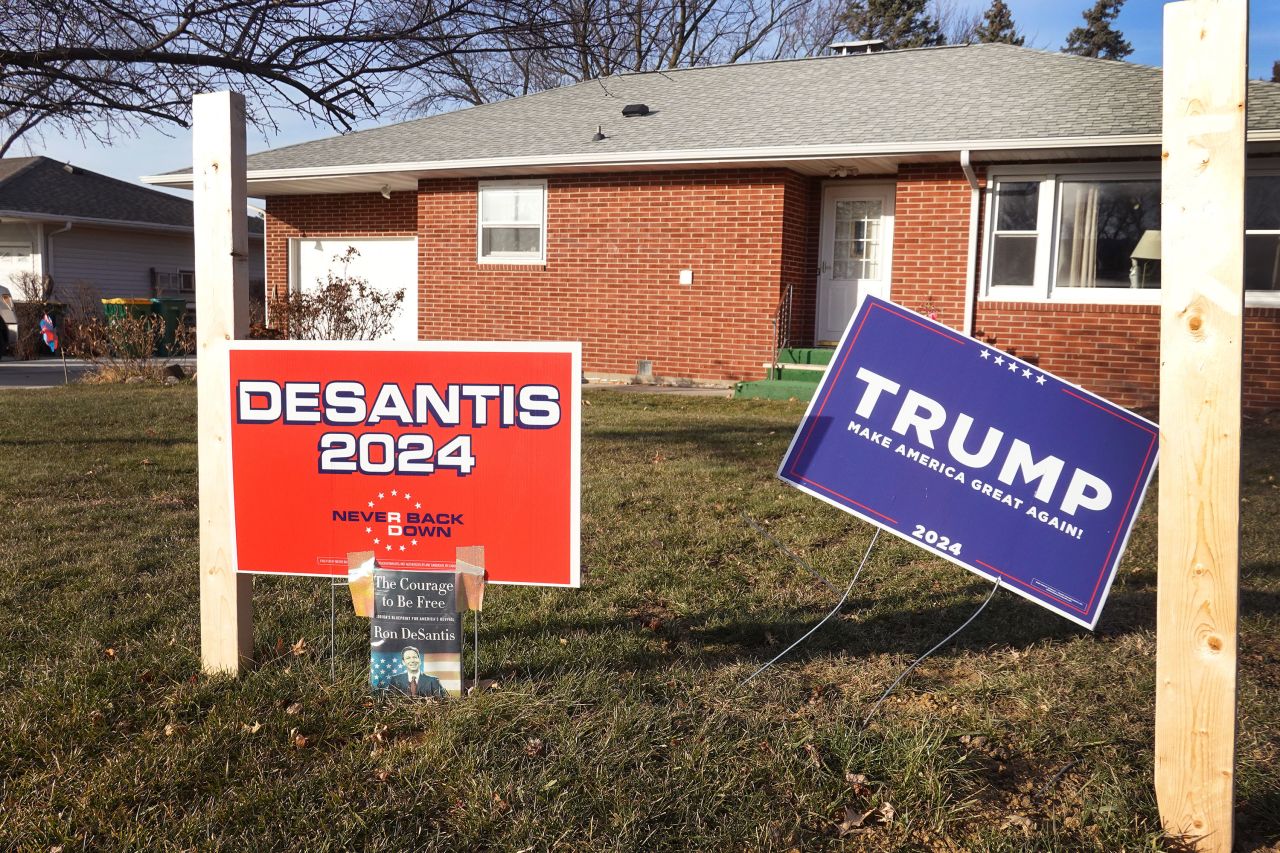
x=599, y=134
x=849, y=48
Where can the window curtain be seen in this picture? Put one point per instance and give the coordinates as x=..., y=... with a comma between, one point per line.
x=1081, y=249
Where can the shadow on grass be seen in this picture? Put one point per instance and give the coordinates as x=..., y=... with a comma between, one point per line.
x=716, y=637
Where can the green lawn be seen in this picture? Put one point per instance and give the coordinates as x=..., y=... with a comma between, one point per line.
x=618, y=723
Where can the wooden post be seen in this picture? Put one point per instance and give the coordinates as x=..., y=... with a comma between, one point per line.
x=222, y=314
x=1201, y=326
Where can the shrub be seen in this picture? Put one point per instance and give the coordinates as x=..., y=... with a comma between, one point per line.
x=343, y=308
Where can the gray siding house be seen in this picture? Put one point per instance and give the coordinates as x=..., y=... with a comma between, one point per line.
x=83, y=229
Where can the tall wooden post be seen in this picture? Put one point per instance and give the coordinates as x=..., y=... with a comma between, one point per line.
x=1201, y=326
x=222, y=314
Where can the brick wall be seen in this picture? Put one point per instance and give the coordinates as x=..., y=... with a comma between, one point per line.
x=615, y=246
x=931, y=240
x=800, y=231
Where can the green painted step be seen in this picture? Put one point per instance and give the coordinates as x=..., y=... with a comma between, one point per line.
x=805, y=355
x=774, y=389
x=813, y=377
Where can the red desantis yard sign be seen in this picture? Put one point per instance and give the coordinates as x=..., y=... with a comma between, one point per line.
x=409, y=451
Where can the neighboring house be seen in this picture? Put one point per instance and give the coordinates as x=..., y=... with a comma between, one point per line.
x=81, y=228
x=1014, y=193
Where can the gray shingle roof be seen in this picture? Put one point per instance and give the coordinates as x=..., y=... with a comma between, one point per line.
x=893, y=98
x=43, y=187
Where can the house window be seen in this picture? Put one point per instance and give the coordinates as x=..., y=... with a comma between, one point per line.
x=1095, y=237
x=1014, y=236
x=1262, y=233
x=513, y=221
x=186, y=281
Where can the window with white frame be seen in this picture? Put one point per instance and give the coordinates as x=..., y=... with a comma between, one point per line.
x=1095, y=237
x=513, y=221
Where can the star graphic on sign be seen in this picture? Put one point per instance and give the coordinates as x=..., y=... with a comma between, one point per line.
x=368, y=530
x=388, y=547
x=393, y=493
x=417, y=506
x=414, y=542
x=401, y=547
x=986, y=353
x=381, y=496
x=999, y=360
x=1013, y=366
x=407, y=496
x=1026, y=374
x=377, y=541
x=1039, y=380
x=370, y=503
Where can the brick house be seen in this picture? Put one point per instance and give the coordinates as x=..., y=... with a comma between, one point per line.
x=1014, y=193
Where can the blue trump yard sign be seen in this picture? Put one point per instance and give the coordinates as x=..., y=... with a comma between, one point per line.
x=976, y=456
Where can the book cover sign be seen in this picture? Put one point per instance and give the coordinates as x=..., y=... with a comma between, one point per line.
x=415, y=635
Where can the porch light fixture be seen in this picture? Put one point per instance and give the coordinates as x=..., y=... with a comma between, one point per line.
x=385, y=191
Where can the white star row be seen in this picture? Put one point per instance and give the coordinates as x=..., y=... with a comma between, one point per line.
x=1013, y=368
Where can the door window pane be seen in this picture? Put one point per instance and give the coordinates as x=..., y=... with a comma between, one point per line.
x=857, y=245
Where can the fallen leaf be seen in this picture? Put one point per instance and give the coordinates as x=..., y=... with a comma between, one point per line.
x=1019, y=821
x=382, y=775
x=171, y=729
x=298, y=648
x=564, y=641
x=535, y=746
x=252, y=728
x=110, y=653
x=146, y=461
x=858, y=783
x=299, y=741
x=814, y=758
x=293, y=708
x=146, y=677
x=852, y=820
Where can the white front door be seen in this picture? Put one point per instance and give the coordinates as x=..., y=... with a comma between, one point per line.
x=854, y=252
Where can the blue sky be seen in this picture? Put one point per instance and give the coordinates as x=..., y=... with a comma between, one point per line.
x=1045, y=23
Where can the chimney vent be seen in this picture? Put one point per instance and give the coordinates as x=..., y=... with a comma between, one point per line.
x=849, y=48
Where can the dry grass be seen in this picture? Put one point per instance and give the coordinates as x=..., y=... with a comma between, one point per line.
x=618, y=723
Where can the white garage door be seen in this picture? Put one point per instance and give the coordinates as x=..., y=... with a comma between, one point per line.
x=389, y=265
x=15, y=258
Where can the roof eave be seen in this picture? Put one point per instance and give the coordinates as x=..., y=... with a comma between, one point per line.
x=400, y=172
x=103, y=223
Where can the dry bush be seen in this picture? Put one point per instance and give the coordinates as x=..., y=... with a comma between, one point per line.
x=32, y=300
x=124, y=348
x=343, y=308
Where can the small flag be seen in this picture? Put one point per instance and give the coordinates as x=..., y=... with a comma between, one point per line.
x=48, y=334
